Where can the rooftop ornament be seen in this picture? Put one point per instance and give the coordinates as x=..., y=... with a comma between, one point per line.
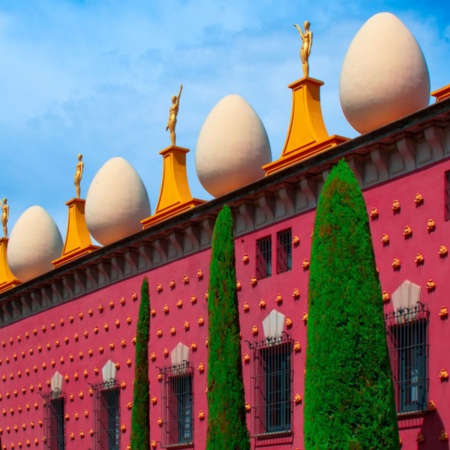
x=173, y=113
x=307, y=134
x=305, y=49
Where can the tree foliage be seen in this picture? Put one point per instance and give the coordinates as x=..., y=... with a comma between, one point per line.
x=227, y=428
x=349, y=398
x=140, y=420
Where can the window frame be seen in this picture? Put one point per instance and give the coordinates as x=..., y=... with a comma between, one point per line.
x=264, y=257
x=271, y=387
x=284, y=250
x=107, y=409
x=54, y=419
x=407, y=331
x=177, y=395
x=447, y=195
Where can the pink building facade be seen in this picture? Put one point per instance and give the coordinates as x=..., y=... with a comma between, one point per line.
x=67, y=338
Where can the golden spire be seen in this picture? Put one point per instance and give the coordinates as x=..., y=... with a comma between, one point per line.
x=173, y=113
x=305, y=49
x=175, y=196
x=78, y=240
x=307, y=134
x=78, y=175
x=7, y=279
x=5, y=216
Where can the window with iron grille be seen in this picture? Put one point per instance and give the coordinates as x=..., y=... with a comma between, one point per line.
x=54, y=421
x=284, y=251
x=107, y=416
x=177, y=405
x=447, y=195
x=272, y=387
x=407, y=330
x=264, y=258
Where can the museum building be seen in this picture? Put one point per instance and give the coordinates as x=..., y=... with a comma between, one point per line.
x=69, y=309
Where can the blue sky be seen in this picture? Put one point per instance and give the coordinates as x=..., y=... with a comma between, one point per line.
x=96, y=77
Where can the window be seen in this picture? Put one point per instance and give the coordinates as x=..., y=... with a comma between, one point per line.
x=447, y=195
x=54, y=421
x=407, y=330
x=271, y=387
x=107, y=416
x=264, y=258
x=177, y=405
x=284, y=251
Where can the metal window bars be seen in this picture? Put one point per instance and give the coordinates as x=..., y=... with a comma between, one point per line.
x=264, y=258
x=54, y=420
x=407, y=332
x=447, y=195
x=177, y=405
x=284, y=251
x=106, y=415
x=271, y=387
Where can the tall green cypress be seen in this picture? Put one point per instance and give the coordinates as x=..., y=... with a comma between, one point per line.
x=349, y=397
x=140, y=416
x=227, y=428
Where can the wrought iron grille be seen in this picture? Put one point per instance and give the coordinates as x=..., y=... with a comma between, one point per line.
x=107, y=416
x=264, y=258
x=407, y=330
x=271, y=380
x=177, y=405
x=447, y=195
x=284, y=251
x=54, y=421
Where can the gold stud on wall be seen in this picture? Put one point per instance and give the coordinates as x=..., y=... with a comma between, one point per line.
x=374, y=214
x=407, y=232
x=443, y=313
x=396, y=206
x=431, y=225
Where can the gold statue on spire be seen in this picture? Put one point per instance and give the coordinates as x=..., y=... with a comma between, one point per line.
x=173, y=112
x=305, y=49
x=78, y=175
x=5, y=216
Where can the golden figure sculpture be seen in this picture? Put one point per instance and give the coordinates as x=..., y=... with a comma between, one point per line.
x=173, y=112
x=5, y=216
x=305, y=49
x=78, y=175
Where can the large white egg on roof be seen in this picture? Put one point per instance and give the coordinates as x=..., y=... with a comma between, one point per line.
x=384, y=75
x=232, y=147
x=34, y=243
x=116, y=202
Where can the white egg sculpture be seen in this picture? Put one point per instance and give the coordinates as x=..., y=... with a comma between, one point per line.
x=232, y=147
x=384, y=75
x=116, y=202
x=35, y=241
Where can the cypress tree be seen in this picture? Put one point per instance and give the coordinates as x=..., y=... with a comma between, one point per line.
x=140, y=420
x=349, y=397
x=227, y=428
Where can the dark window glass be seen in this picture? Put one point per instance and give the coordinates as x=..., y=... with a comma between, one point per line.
x=272, y=388
x=55, y=424
x=447, y=195
x=408, y=342
x=264, y=258
x=107, y=418
x=177, y=406
x=284, y=251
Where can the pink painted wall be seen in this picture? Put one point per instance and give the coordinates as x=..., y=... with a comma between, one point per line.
x=429, y=183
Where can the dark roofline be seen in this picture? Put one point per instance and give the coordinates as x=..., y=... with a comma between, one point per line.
x=437, y=112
